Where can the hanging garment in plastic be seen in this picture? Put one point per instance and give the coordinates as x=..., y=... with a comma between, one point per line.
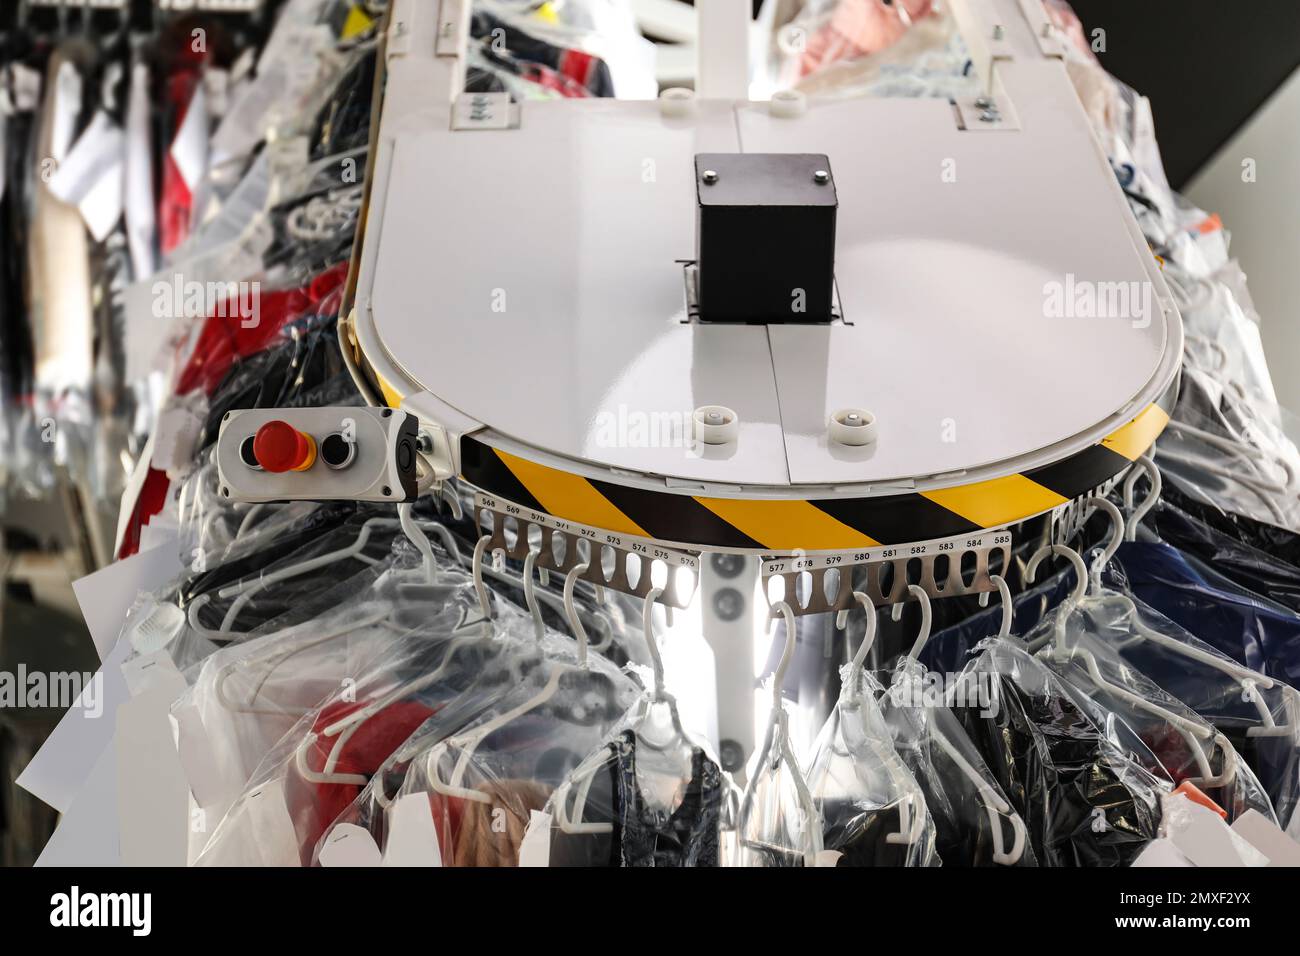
x=1250, y=629
x=974, y=822
x=1083, y=801
x=557, y=706
x=1268, y=538
x=649, y=796
x=1237, y=560
x=1153, y=729
x=1260, y=716
x=872, y=810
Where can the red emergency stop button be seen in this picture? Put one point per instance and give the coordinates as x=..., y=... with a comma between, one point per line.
x=279, y=447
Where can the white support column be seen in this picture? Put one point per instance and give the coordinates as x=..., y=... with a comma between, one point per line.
x=723, y=49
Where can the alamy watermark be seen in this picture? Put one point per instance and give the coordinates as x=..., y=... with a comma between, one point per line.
x=1084, y=299
x=25, y=688
x=626, y=427
x=974, y=689
x=178, y=298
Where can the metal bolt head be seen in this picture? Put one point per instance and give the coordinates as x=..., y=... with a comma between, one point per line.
x=710, y=177
x=989, y=116
x=714, y=418
x=821, y=177
x=983, y=102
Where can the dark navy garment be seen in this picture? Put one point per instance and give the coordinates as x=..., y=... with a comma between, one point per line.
x=1256, y=632
x=1249, y=566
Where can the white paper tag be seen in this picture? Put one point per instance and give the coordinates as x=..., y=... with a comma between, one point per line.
x=274, y=835
x=153, y=795
x=828, y=858
x=1161, y=853
x=1264, y=835
x=190, y=148
x=90, y=177
x=412, y=834
x=1203, y=837
x=153, y=670
x=349, y=845
x=179, y=427
x=535, y=849
x=67, y=105
x=196, y=752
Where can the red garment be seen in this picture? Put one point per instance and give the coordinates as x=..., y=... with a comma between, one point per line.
x=227, y=338
x=176, y=200
x=315, y=806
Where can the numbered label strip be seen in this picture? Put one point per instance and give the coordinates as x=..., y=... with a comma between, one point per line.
x=637, y=566
x=945, y=567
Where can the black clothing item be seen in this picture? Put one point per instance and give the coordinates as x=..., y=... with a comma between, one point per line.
x=590, y=72
x=1247, y=565
x=343, y=123
x=860, y=838
x=1282, y=544
x=1063, y=778
x=686, y=837
x=305, y=371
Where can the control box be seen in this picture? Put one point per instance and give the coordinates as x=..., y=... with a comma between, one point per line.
x=318, y=454
x=765, y=237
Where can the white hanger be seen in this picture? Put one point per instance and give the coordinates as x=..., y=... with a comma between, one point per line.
x=778, y=728
x=1008, y=608
x=582, y=776
x=927, y=616
x=469, y=741
x=1196, y=735
x=1247, y=679
x=244, y=591
x=994, y=805
x=911, y=823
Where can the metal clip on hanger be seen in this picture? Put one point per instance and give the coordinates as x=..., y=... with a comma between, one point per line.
x=778, y=733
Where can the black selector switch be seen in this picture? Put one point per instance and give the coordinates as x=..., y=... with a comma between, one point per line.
x=337, y=452
x=247, y=455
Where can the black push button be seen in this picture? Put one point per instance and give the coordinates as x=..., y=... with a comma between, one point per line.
x=337, y=451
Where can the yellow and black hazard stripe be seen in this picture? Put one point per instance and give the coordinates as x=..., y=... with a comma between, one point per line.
x=822, y=524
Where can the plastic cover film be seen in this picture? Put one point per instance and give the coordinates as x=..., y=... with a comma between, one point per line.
x=649, y=795
x=872, y=810
x=493, y=754
x=973, y=819
x=1256, y=713
x=1083, y=802
x=424, y=651
x=293, y=684
x=1152, y=728
x=1232, y=555
x=1251, y=629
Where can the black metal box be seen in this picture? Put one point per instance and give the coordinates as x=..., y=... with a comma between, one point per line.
x=765, y=237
